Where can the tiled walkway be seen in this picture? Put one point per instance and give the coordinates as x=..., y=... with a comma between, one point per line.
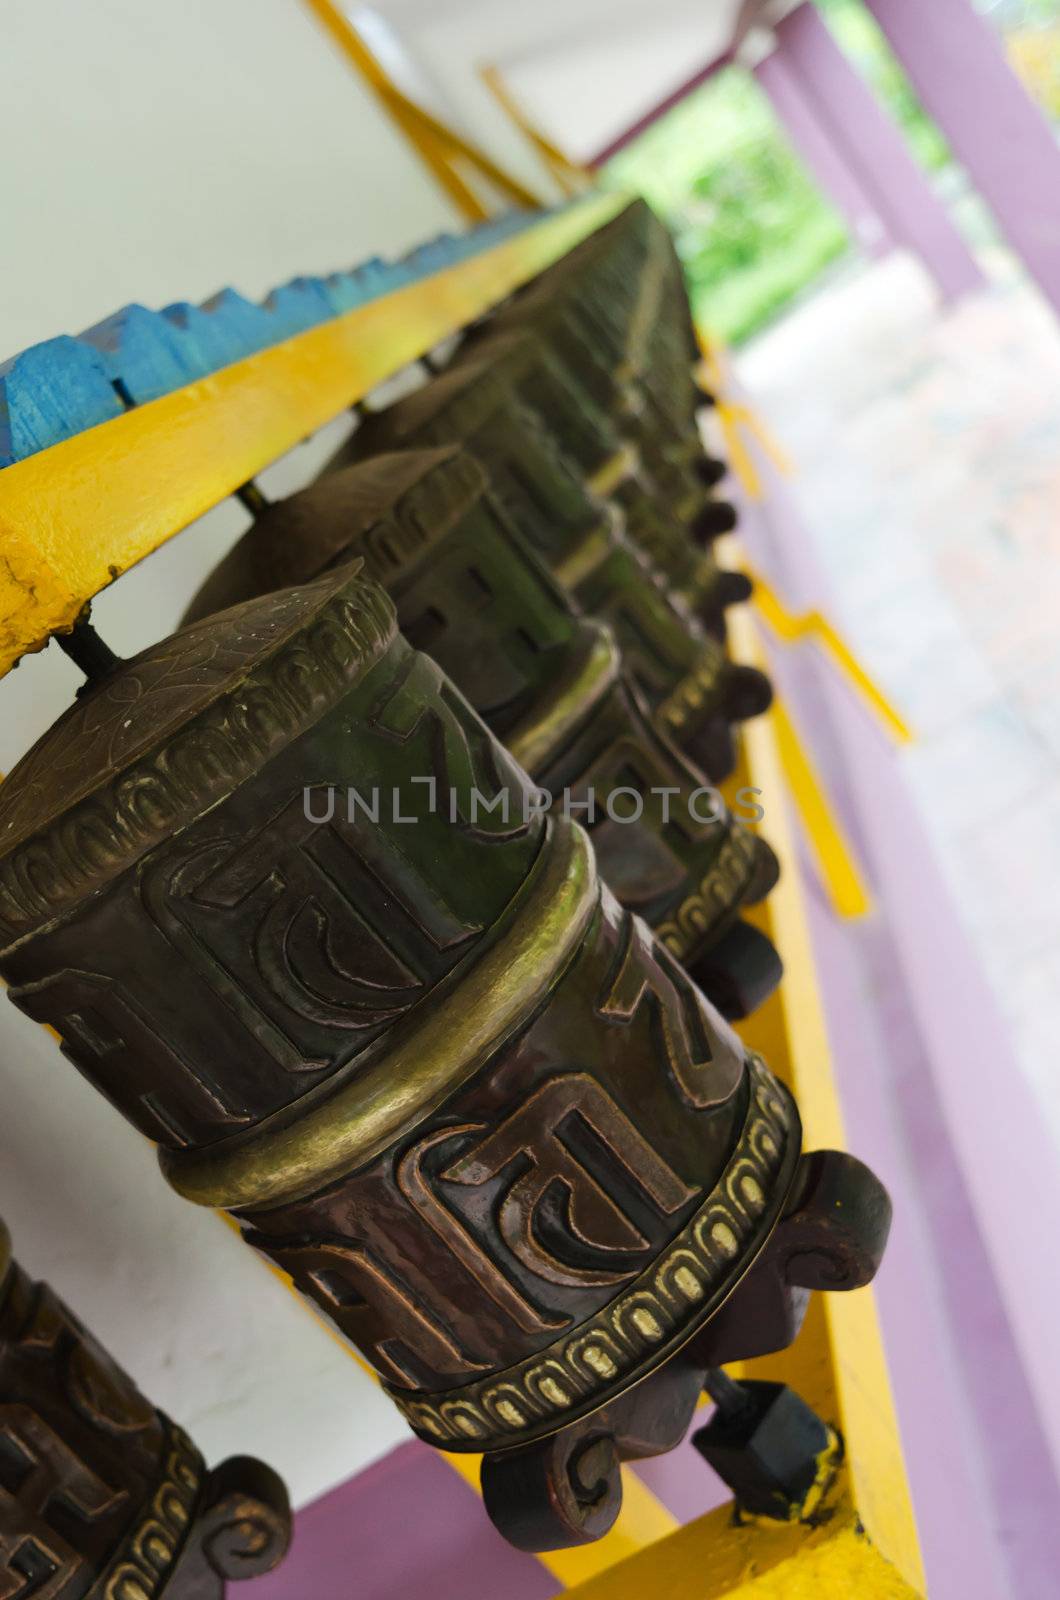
x=928, y=453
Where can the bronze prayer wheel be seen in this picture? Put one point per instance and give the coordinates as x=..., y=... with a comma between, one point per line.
x=102, y=1497
x=629, y=296
x=169, y=899
x=694, y=690
x=548, y=683
x=669, y=446
x=469, y=1103
x=630, y=278
x=611, y=470
x=570, y=310
x=616, y=312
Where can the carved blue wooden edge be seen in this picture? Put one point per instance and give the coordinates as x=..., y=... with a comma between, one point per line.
x=61, y=387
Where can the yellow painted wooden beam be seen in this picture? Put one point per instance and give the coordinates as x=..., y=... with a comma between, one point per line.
x=73, y=518
x=352, y=47
x=791, y=627
x=448, y=139
x=837, y=865
x=834, y=855
x=571, y=178
x=838, y=1361
x=737, y=419
x=714, y=1558
x=437, y=159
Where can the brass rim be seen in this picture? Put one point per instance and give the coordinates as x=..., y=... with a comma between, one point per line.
x=614, y=471
x=426, y=1056
x=594, y=549
x=533, y=742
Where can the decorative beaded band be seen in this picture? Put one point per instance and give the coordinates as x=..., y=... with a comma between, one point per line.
x=146, y=1558
x=697, y=695
x=721, y=893
x=653, y=1316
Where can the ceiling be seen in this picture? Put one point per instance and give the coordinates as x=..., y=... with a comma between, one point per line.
x=584, y=70
x=544, y=28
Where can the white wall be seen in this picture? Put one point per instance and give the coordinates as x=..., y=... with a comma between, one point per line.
x=156, y=151
x=592, y=91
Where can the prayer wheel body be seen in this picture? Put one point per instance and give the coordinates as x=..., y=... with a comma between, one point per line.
x=607, y=313
x=547, y=682
x=692, y=688
x=102, y=1497
x=610, y=468
x=441, y=1077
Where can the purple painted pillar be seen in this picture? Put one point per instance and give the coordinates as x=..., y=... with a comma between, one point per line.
x=957, y=66
x=820, y=154
x=875, y=147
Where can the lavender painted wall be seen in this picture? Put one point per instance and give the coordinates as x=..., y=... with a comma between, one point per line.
x=933, y=1098
x=858, y=124
x=956, y=63
x=407, y=1527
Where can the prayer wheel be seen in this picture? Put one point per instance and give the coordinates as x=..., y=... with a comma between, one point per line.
x=611, y=470
x=627, y=353
x=695, y=692
x=548, y=683
x=102, y=1497
x=291, y=908
x=631, y=281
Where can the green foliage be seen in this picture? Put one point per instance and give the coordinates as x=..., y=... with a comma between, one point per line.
x=751, y=228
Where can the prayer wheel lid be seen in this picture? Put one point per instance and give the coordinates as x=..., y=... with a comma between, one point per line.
x=514, y=349
x=517, y=351
x=173, y=731
x=297, y=539
x=514, y=343
x=466, y=396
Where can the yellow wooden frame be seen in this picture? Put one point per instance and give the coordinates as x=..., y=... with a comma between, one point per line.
x=75, y=517
x=790, y=627
x=868, y=1547
x=81, y=513
x=570, y=178
x=441, y=148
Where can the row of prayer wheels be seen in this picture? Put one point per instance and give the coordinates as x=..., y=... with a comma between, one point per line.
x=395, y=898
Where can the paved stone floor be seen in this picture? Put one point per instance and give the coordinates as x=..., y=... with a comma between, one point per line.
x=928, y=453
